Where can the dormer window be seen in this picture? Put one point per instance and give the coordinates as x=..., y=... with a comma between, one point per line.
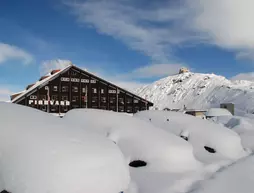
x=55, y=88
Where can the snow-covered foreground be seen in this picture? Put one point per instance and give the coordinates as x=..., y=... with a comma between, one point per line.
x=41, y=154
x=99, y=151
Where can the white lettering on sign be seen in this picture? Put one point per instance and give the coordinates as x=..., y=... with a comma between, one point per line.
x=112, y=91
x=65, y=79
x=51, y=102
x=74, y=79
x=85, y=80
x=93, y=81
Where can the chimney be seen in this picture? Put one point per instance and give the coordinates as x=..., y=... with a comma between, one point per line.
x=55, y=71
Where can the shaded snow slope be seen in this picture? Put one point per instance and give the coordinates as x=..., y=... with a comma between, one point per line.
x=200, y=133
x=238, y=177
x=40, y=153
x=138, y=139
x=199, y=91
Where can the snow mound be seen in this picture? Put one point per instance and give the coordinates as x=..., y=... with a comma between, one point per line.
x=41, y=153
x=138, y=139
x=205, y=136
x=244, y=126
x=216, y=112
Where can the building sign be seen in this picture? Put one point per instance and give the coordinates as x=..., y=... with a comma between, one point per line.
x=51, y=102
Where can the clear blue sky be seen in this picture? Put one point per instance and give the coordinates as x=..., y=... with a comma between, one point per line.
x=129, y=42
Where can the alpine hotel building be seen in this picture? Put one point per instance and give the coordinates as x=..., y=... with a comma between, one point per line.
x=72, y=87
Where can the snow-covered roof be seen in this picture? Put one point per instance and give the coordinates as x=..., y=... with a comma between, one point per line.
x=216, y=112
x=40, y=84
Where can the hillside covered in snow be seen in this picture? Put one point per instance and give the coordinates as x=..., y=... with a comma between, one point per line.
x=199, y=91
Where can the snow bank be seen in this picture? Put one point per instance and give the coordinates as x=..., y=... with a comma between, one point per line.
x=138, y=139
x=200, y=133
x=236, y=178
x=39, y=153
x=244, y=126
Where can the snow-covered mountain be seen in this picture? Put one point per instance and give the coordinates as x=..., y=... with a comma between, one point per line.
x=199, y=91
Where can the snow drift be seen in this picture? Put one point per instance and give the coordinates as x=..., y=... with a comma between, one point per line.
x=244, y=126
x=138, y=139
x=39, y=153
x=200, y=133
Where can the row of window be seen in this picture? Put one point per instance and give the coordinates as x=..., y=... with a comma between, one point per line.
x=84, y=98
x=76, y=89
x=55, y=108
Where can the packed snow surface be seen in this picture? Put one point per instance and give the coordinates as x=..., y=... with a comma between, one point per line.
x=200, y=133
x=40, y=153
x=199, y=91
x=138, y=139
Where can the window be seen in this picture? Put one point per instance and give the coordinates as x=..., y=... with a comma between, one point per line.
x=73, y=73
x=121, y=109
x=103, y=107
x=54, y=97
x=93, y=81
x=53, y=108
x=112, y=91
x=55, y=88
x=64, y=98
x=33, y=97
x=42, y=97
x=74, y=98
x=135, y=101
x=129, y=100
x=103, y=99
x=65, y=88
x=94, y=90
x=84, y=90
x=65, y=108
x=94, y=99
x=136, y=109
x=84, y=98
x=112, y=99
x=75, y=106
x=112, y=108
x=121, y=100
x=129, y=109
x=74, y=89
x=102, y=91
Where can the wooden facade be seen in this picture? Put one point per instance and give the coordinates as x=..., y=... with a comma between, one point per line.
x=73, y=88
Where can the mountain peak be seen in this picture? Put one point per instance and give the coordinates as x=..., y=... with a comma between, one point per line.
x=199, y=91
